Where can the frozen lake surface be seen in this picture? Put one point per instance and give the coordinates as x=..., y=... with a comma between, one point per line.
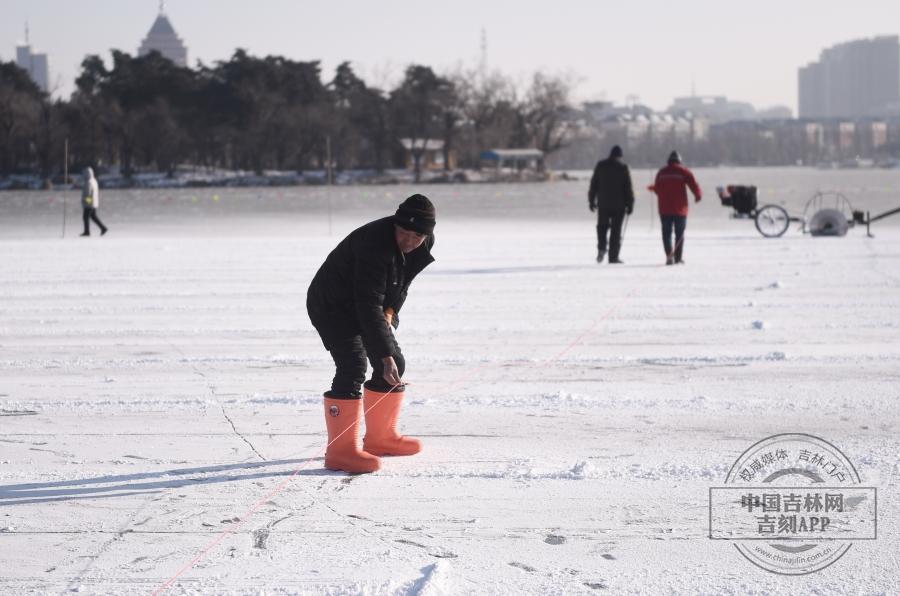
x=161, y=427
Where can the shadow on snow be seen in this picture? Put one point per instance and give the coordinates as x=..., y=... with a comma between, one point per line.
x=130, y=484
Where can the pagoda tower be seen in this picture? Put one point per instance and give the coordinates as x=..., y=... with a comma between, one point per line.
x=163, y=39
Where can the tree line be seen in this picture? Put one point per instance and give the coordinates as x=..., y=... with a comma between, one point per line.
x=252, y=113
x=271, y=113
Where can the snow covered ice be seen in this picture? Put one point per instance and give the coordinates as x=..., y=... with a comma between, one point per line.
x=160, y=395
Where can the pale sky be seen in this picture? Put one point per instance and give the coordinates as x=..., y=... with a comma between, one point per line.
x=654, y=49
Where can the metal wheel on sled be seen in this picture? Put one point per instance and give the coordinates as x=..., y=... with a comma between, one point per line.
x=772, y=221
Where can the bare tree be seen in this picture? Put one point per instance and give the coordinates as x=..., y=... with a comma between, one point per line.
x=488, y=105
x=547, y=103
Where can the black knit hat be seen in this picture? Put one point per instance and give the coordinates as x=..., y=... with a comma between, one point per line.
x=616, y=151
x=417, y=214
x=674, y=157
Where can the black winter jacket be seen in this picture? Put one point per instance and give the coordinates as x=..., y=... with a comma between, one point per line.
x=365, y=274
x=611, y=185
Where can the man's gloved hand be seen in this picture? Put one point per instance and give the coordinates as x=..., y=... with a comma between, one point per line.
x=592, y=206
x=390, y=373
x=629, y=209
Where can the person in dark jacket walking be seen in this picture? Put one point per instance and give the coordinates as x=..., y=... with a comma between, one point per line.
x=671, y=186
x=612, y=197
x=354, y=303
x=90, y=202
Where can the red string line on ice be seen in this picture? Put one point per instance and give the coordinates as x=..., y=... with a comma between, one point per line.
x=255, y=507
x=470, y=376
x=461, y=380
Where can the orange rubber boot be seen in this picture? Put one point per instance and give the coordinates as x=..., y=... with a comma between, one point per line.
x=382, y=438
x=343, y=453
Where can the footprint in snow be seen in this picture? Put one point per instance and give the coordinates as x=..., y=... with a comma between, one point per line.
x=410, y=542
x=443, y=553
x=440, y=553
x=259, y=538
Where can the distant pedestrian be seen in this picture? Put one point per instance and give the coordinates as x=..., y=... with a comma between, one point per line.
x=612, y=197
x=90, y=202
x=671, y=186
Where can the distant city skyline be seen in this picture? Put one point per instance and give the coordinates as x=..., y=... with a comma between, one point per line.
x=858, y=78
x=645, y=49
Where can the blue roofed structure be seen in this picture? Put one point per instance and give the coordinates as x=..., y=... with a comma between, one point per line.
x=518, y=159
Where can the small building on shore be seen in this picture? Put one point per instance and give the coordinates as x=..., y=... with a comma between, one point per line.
x=513, y=159
x=431, y=152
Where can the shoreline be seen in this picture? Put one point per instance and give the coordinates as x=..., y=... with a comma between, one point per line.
x=274, y=179
x=196, y=179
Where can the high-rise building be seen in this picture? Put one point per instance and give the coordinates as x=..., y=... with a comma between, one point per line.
x=856, y=79
x=36, y=65
x=163, y=39
x=812, y=95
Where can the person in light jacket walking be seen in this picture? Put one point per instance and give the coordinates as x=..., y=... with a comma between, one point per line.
x=90, y=202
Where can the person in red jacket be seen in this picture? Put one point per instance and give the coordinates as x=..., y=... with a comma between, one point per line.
x=671, y=186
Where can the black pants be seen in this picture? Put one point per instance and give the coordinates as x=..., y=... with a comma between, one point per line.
x=350, y=361
x=610, y=221
x=90, y=213
x=678, y=222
